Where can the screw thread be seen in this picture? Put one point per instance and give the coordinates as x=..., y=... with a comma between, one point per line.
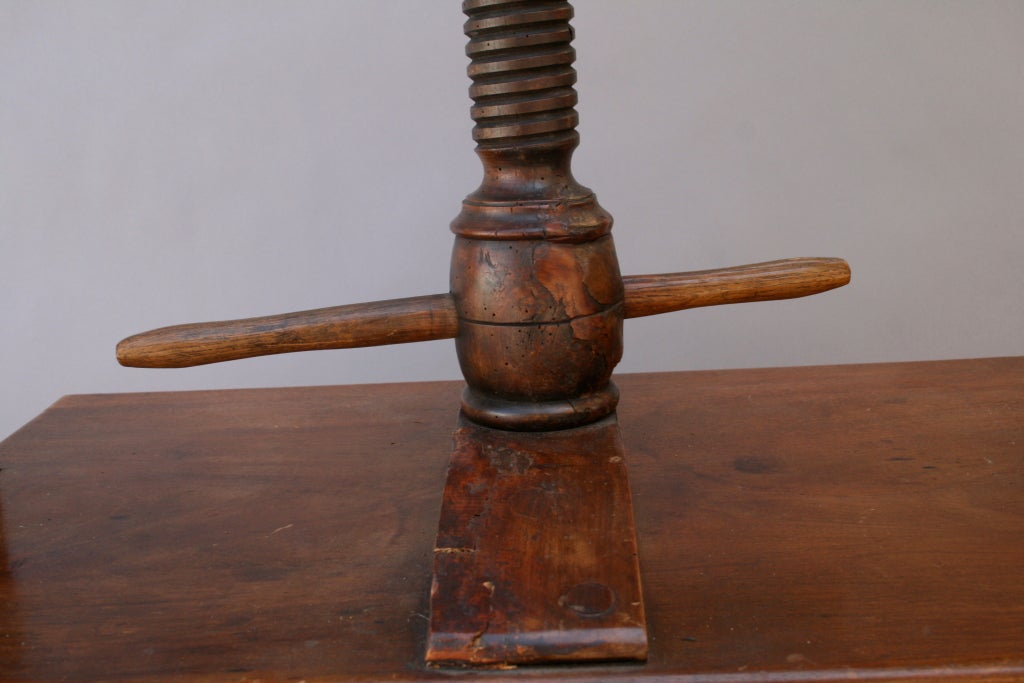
x=522, y=71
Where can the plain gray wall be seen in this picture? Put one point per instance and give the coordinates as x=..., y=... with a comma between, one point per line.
x=176, y=161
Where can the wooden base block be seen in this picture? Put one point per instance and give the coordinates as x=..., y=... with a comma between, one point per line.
x=536, y=556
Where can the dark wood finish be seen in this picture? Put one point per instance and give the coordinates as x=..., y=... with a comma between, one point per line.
x=820, y=523
x=536, y=302
x=536, y=554
x=534, y=272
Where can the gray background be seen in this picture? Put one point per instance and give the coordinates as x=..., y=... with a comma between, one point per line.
x=167, y=162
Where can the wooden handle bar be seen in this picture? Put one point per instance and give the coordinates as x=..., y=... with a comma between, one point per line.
x=769, y=281
x=396, y=321
x=424, y=318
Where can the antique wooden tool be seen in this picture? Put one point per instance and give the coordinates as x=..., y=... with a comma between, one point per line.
x=536, y=556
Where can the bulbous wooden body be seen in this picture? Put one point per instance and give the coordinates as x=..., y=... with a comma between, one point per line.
x=539, y=296
x=534, y=277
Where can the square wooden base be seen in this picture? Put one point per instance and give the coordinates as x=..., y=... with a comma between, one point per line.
x=536, y=557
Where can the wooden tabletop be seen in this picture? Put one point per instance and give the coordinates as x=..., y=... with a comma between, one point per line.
x=813, y=523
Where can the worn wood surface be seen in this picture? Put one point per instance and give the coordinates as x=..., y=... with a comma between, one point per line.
x=536, y=556
x=536, y=301
x=395, y=321
x=423, y=318
x=820, y=523
x=769, y=281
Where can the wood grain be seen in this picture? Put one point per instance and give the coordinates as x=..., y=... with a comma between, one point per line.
x=396, y=321
x=536, y=557
x=425, y=318
x=769, y=281
x=795, y=524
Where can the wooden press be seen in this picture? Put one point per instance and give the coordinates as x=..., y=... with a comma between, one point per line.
x=536, y=552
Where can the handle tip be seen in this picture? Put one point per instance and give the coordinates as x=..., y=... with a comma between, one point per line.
x=131, y=354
